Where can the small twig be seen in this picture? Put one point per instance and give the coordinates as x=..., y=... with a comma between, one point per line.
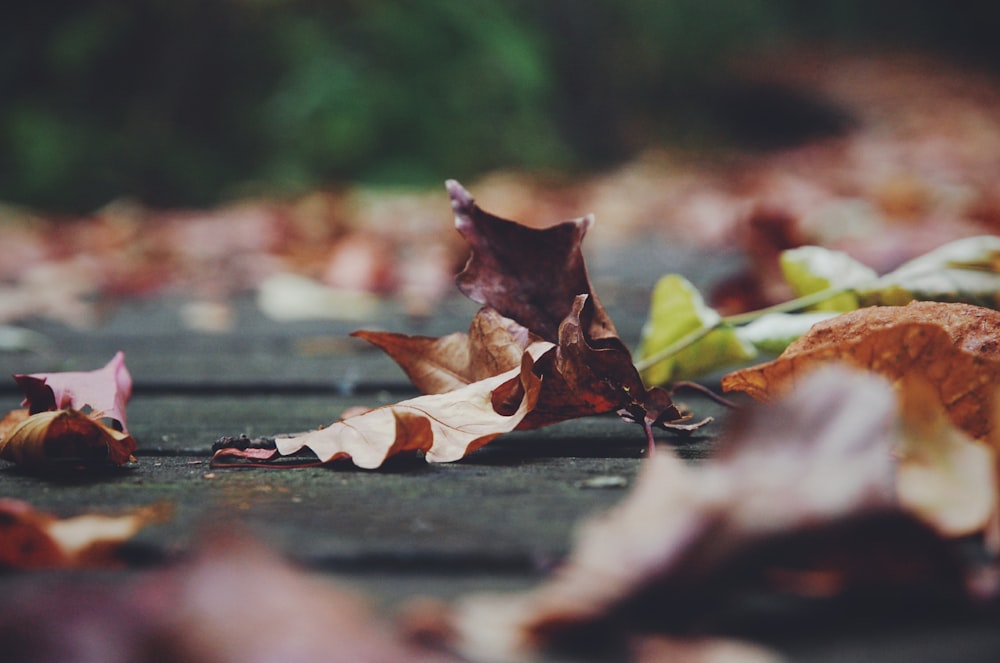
x=704, y=391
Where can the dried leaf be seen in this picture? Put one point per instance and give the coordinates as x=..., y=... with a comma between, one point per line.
x=801, y=499
x=61, y=438
x=531, y=276
x=105, y=391
x=587, y=376
x=231, y=601
x=445, y=427
x=499, y=376
x=944, y=476
x=31, y=539
x=493, y=345
x=954, y=347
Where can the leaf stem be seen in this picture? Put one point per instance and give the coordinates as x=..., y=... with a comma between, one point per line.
x=740, y=319
x=674, y=348
x=791, y=305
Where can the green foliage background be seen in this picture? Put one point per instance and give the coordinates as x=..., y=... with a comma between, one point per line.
x=184, y=102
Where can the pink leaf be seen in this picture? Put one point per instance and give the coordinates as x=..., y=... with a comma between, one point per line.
x=105, y=391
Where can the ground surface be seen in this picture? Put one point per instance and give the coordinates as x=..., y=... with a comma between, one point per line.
x=497, y=520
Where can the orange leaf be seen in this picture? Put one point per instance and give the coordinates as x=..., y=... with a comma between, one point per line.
x=64, y=437
x=31, y=539
x=493, y=345
x=953, y=347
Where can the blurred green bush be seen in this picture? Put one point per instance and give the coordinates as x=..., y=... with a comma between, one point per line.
x=178, y=102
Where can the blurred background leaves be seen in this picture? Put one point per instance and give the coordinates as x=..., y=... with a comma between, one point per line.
x=176, y=102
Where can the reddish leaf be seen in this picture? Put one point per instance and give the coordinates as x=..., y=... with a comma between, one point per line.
x=105, y=391
x=587, y=376
x=532, y=276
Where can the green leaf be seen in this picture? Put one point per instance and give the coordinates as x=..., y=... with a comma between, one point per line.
x=811, y=269
x=772, y=333
x=966, y=270
x=677, y=313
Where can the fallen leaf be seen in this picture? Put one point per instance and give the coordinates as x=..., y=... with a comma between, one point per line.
x=531, y=276
x=499, y=376
x=446, y=427
x=811, y=269
x=31, y=539
x=801, y=500
x=105, y=391
x=589, y=376
x=944, y=476
x=676, y=311
x=493, y=345
x=231, y=601
x=966, y=270
x=954, y=347
x=63, y=438
x=238, y=601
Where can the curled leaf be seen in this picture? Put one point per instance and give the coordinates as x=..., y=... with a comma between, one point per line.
x=954, y=347
x=493, y=345
x=105, y=391
x=64, y=438
x=800, y=500
x=445, y=426
x=31, y=539
x=531, y=276
x=944, y=476
x=587, y=376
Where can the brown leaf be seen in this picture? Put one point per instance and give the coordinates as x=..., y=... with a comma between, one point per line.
x=493, y=345
x=61, y=438
x=499, y=376
x=954, y=347
x=531, y=276
x=446, y=427
x=31, y=539
x=800, y=500
x=588, y=376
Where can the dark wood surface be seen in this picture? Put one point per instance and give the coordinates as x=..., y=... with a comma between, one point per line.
x=499, y=519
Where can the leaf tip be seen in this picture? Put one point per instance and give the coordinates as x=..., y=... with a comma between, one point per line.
x=462, y=201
